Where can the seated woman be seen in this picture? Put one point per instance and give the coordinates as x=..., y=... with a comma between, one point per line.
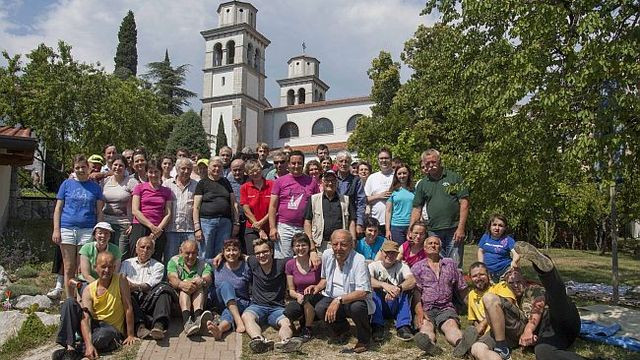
x=231, y=288
x=89, y=252
x=301, y=280
x=495, y=248
x=412, y=251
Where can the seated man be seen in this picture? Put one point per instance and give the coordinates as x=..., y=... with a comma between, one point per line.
x=151, y=299
x=479, y=275
x=191, y=277
x=346, y=288
x=268, y=286
x=437, y=278
x=370, y=244
x=392, y=282
x=545, y=317
x=101, y=319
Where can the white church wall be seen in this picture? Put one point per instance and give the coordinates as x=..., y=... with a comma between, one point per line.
x=222, y=83
x=253, y=85
x=251, y=133
x=226, y=111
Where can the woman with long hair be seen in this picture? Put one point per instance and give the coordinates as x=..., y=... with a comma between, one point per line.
x=78, y=208
x=151, y=207
x=139, y=165
x=167, y=165
x=399, y=205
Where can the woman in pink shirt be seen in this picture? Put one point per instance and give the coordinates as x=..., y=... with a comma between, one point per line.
x=151, y=208
x=412, y=251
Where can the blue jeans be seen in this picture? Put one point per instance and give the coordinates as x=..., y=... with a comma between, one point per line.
x=215, y=231
x=449, y=248
x=225, y=292
x=398, y=309
x=174, y=240
x=399, y=233
x=267, y=314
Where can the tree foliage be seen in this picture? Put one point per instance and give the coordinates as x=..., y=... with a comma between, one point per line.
x=535, y=103
x=77, y=108
x=189, y=133
x=167, y=81
x=221, y=137
x=126, y=59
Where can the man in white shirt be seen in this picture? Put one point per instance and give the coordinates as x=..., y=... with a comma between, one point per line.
x=377, y=188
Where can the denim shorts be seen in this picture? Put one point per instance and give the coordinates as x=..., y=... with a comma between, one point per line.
x=75, y=236
x=267, y=314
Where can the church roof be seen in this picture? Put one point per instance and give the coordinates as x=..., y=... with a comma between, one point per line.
x=236, y=2
x=317, y=104
x=18, y=145
x=303, y=56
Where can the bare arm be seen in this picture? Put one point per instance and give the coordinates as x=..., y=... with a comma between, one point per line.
x=56, y=237
x=480, y=254
x=292, y=289
x=168, y=206
x=85, y=269
x=273, y=210
x=352, y=229
x=416, y=214
x=128, y=310
x=459, y=235
x=307, y=229
x=85, y=325
x=99, y=207
x=197, y=202
x=387, y=219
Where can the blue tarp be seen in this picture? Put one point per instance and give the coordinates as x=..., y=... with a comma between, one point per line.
x=591, y=330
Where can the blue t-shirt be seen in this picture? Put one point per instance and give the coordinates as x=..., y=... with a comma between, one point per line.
x=497, y=253
x=402, y=200
x=369, y=251
x=79, y=198
x=238, y=278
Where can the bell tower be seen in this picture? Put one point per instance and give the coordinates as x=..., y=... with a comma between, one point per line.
x=234, y=76
x=303, y=84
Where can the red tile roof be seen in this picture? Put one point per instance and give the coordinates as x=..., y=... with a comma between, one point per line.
x=10, y=131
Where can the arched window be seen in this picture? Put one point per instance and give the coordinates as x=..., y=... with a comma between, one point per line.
x=249, y=53
x=291, y=97
x=322, y=126
x=217, y=54
x=256, y=60
x=231, y=51
x=288, y=130
x=351, y=123
x=302, y=96
x=315, y=95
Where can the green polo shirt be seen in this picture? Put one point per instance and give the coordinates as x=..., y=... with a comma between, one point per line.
x=442, y=198
x=176, y=265
x=90, y=251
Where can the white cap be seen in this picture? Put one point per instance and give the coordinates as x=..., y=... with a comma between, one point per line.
x=103, y=225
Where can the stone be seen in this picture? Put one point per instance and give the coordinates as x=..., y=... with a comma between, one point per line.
x=11, y=323
x=49, y=319
x=25, y=302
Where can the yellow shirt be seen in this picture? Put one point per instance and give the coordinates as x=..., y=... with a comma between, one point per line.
x=108, y=306
x=476, y=308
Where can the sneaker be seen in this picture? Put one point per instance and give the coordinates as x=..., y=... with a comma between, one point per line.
x=306, y=334
x=158, y=331
x=288, y=346
x=260, y=345
x=377, y=332
x=424, y=343
x=54, y=293
x=404, y=333
x=142, y=331
x=529, y=252
x=469, y=336
x=191, y=327
x=204, y=318
x=504, y=353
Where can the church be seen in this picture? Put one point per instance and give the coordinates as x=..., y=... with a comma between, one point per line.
x=234, y=88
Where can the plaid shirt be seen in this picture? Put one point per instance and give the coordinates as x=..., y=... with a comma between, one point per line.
x=437, y=292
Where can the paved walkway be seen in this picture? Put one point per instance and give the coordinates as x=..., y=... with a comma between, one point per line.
x=178, y=346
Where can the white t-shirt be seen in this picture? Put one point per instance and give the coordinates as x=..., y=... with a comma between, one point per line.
x=394, y=275
x=378, y=183
x=338, y=282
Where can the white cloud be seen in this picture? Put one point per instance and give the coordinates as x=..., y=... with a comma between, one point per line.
x=343, y=35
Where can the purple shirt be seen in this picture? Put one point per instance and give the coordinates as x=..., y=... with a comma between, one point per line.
x=437, y=292
x=152, y=202
x=300, y=280
x=293, y=193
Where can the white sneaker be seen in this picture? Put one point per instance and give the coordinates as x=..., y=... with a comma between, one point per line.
x=54, y=293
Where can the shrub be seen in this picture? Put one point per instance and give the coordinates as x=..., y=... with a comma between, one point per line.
x=20, y=289
x=26, y=271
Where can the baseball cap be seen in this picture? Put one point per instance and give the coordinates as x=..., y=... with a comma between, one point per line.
x=202, y=161
x=389, y=245
x=103, y=225
x=95, y=158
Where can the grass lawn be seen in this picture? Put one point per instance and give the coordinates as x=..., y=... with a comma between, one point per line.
x=577, y=265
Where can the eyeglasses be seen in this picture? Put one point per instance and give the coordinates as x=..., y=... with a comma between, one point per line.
x=278, y=162
x=262, y=253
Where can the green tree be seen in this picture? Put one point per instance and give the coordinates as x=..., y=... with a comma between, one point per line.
x=221, y=136
x=126, y=59
x=167, y=81
x=189, y=133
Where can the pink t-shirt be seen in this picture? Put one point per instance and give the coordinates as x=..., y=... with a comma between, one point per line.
x=152, y=202
x=411, y=259
x=293, y=194
x=300, y=280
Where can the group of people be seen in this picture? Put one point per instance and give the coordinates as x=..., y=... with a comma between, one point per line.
x=287, y=242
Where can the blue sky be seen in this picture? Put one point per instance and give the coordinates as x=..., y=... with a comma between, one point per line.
x=343, y=34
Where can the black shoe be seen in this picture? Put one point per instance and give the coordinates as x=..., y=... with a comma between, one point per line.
x=425, y=344
x=469, y=336
x=531, y=253
x=404, y=333
x=58, y=354
x=158, y=331
x=287, y=346
x=142, y=332
x=306, y=334
x=377, y=332
x=260, y=345
x=71, y=355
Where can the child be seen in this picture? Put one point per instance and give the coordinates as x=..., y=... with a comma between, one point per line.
x=495, y=248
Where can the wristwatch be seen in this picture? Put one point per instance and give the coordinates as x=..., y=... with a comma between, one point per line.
x=339, y=299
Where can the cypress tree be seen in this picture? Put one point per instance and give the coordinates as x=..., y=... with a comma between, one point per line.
x=126, y=59
x=221, y=137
